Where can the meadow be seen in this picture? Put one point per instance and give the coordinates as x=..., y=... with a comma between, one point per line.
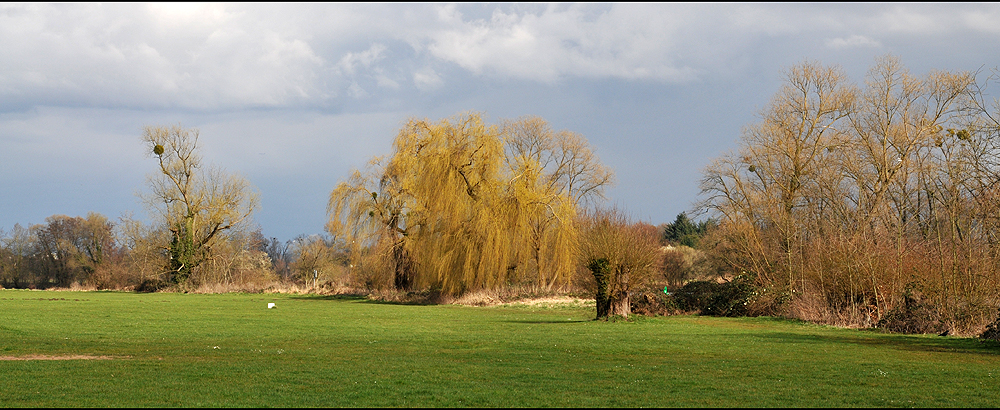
x=230, y=350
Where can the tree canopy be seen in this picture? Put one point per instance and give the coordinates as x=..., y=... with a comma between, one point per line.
x=462, y=204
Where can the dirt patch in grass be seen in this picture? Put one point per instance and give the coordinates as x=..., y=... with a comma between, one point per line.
x=552, y=300
x=548, y=302
x=63, y=357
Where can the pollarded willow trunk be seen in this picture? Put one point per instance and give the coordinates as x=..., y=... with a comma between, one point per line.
x=620, y=305
x=600, y=269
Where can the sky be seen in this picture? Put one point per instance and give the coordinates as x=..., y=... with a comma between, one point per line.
x=295, y=96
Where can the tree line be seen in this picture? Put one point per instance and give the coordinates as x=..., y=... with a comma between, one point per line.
x=459, y=206
x=866, y=205
x=201, y=237
x=870, y=205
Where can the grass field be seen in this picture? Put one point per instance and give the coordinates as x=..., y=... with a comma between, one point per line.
x=230, y=350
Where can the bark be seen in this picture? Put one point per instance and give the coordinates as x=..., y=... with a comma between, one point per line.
x=620, y=305
x=403, y=278
x=601, y=272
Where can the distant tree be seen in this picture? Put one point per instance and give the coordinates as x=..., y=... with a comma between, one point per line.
x=316, y=258
x=54, y=255
x=685, y=232
x=144, y=255
x=280, y=257
x=196, y=205
x=9, y=261
x=15, y=253
x=71, y=249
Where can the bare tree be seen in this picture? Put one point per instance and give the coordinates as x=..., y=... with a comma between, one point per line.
x=16, y=247
x=550, y=168
x=196, y=204
x=858, y=200
x=780, y=166
x=145, y=255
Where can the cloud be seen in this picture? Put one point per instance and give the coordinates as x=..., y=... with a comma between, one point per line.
x=160, y=55
x=852, y=42
x=427, y=79
x=631, y=42
x=352, y=61
x=982, y=20
x=294, y=95
x=236, y=56
x=356, y=91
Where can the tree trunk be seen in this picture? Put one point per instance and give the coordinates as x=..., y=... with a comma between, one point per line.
x=403, y=275
x=600, y=270
x=182, y=252
x=620, y=304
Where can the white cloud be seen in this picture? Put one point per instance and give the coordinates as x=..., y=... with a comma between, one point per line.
x=352, y=61
x=902, y=19
x=426, y=79
x=852, y=42
x=386, y=82
x=344, y=77
x=982, y=20
x=356, y=91
x=158, y=55
x=631, y=42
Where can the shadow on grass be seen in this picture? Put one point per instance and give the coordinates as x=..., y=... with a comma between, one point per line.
x=894, y=341
x=401, y=303
x=329, y=297
x=363, y=299
x=545, y=322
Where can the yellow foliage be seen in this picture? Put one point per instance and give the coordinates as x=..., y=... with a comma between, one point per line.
x=458, y=207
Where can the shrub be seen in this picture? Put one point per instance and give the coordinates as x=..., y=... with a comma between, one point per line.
x=992, y=330
x=151, y=285
x=717, y=299
x=695, y=295
x=651, y=303
x=913, y=316
x=731, y=298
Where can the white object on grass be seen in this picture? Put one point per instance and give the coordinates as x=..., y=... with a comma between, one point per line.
x=270, y=305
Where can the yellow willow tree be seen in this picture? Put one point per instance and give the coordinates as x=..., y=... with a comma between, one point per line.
x=451, y=210
x=552, y=170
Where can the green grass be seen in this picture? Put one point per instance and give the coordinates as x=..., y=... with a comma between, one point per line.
x=230, y=350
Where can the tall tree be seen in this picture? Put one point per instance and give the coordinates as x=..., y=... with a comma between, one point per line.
x=551, y=167
x=858, y=198
x=196, y=204
x=781, y=164
x=458, y=207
